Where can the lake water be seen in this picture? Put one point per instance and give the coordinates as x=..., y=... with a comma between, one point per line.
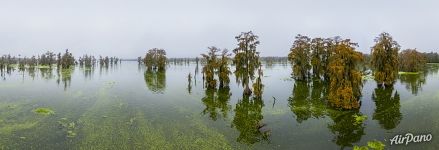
x=124, y=107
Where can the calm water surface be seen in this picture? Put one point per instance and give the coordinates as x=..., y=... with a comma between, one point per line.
x=124, y=107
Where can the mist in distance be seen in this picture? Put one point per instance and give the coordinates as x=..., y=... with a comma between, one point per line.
x=127, y=29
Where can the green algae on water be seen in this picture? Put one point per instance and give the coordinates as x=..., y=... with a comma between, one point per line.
x=359, y=119
x=407, y=73
x=68, y=126
x=44, y=111
x=372, y=145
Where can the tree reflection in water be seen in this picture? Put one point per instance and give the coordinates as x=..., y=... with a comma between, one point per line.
x=413, y=82
x=309, y=101
x=88, y=72
x=217, y=102
x=306, y=103
x=248, y=121
x=155, y=81
x=31, y=71
x=46, y=73
x=346, y=128
x=432, y=69
x=387, y=111
x=65, y=75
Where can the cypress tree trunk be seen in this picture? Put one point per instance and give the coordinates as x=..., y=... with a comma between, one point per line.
x=247, y=91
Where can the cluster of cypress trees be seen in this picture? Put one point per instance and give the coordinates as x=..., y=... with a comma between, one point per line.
x=412, y=60
x=334, y=60
x=247, y=62
x=216, y=64
x=67, y=60
x=384, y=59
x=107, y=61
x=155, y=59
x=87, y=61
x=387, y=61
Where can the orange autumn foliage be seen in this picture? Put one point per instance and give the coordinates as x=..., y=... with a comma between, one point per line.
x=345, y=79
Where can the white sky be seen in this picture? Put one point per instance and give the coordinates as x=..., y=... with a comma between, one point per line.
x=185, y=28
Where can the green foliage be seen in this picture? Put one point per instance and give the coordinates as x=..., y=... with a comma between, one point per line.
x=155, y=59
x=47, y=59
x=223, y=69
x=359, y=119
x=345, y=79
x=334, y=59
x=432, y=57
x=210, y=67
x=87, y=61
x=409, y=73
x=345, y=128
x=299, y=57
x=374, y=145
x=246, y=59
x=67, y=60
x=413, y=82
x=248, y=121
x=68, y=126
x=307, y=101
x=64, y=76
x=384, y=59
x=411, y=61
x=360, y=147
x=155, y=81
x=319, y=55
x=217, y=102
x=44, y=111
x=387, y=110
x=218, y=66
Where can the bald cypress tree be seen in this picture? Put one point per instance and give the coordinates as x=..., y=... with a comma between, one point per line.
x=216, y=65
x=258, y=87
x=329, y=46
x=345, y=79
x=299, y=57
x=246, y=59
x=385, y=59
x=318, y=53
x=67, y=60
x=412, y=60
x=210, y=67
x=223, y=69
x=155, y=59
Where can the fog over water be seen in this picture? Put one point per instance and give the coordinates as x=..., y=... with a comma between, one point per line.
x=186, y=28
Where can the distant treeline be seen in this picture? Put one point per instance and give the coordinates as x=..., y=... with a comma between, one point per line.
x=432, y=57
x=49, y=59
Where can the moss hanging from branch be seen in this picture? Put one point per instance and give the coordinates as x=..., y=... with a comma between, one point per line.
x=345, y=79
x=384, y=59
x=246, y=59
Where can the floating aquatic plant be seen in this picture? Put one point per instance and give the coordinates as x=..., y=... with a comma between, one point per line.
x=70, y=127
x=12, y=106
x=71, y=134
x=374, y=145
x=408, y=73
x=359, y=119
x=44, y=111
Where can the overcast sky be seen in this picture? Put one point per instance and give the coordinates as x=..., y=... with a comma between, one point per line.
x=185, y=28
